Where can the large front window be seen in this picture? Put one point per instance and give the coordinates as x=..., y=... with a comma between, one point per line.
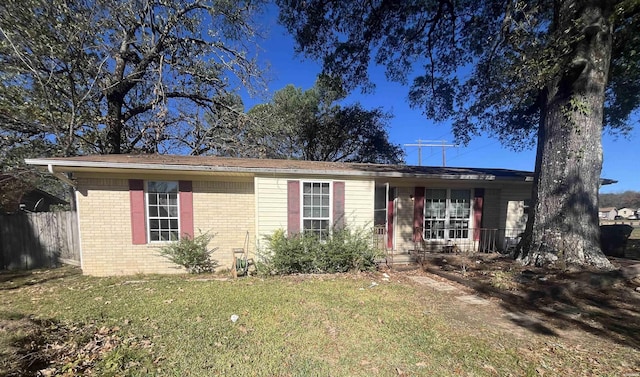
x=447, y=214
x=162, y=211
x=316, y=208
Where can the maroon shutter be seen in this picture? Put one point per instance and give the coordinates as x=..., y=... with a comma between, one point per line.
x=293, y=207
x=186, y=208
x=418, y=213
x=138, y=223
x=478, y=202
x=338, y=205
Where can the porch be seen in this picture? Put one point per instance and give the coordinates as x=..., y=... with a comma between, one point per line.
x=446, y=241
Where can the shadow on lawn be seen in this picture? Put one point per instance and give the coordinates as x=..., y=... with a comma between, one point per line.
x=601, y=303
x=633, y=249
x=10, y=280
x=24, y=355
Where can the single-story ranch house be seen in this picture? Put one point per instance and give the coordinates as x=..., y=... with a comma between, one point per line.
x=607, y=213
x=130, y=205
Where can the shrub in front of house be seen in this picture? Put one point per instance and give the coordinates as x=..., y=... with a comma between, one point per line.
x=343, y=250
x=192, y=253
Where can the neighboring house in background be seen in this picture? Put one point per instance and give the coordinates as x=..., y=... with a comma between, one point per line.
x=20, y=196
x=129, y=206
x=607, y=213
x=625, y=213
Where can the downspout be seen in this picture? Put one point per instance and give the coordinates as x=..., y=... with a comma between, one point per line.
x=61, y=176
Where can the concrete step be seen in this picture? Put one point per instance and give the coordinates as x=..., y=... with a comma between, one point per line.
x=401, y=258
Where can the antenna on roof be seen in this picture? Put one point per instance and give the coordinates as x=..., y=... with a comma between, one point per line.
x=431, y=143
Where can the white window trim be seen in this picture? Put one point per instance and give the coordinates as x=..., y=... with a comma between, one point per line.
x=146, y=211
x=302, y=218
x=447, y=220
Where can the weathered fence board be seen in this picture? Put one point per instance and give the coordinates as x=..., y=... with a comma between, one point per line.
x=34, y=240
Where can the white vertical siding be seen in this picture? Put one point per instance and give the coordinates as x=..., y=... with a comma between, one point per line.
x=271, y=203
x=358, y=203
x=512, y=206
x=271, y=206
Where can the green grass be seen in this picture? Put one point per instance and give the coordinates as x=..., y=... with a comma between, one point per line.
x=288, y=326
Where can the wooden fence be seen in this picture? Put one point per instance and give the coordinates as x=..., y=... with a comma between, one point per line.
x=35, y=240
x=633, y=223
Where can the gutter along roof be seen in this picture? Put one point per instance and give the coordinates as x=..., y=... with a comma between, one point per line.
x=271, y=166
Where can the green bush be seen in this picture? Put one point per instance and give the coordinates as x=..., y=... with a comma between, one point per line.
x=192, y=253
x=344, y=250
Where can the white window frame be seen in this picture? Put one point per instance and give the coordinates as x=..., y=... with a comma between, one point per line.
x=148, y=217
x=447, y=228
x=303, y=218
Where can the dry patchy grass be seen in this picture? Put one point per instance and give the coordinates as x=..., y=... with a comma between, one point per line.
x=58, y=322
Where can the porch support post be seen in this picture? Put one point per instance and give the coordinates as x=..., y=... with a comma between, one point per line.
x=478, y=203
x=418, y=213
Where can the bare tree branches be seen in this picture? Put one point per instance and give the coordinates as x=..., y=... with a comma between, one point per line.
x=97, y=76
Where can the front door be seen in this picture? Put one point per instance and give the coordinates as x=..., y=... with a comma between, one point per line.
x=384, y=212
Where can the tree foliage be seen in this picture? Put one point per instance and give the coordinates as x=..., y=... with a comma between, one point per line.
x=482, y=64
x=111, y=76
x=312, y=125
x=627, y=199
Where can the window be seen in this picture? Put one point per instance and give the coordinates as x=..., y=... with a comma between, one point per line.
x=447, y=214
x=316, y=208
x=380, y=206
x=162, y=211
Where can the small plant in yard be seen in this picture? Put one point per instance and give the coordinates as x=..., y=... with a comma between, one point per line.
x=192, y=253
x=344, y=250
x=503, y=280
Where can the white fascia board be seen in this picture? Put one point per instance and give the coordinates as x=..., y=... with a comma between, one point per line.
x=232, y=169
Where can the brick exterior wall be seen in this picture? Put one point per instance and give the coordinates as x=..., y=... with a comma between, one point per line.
x=225, y=208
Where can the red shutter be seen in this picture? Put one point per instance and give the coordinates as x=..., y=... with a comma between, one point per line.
x=186, y=208
x=138, y=223
x=338, y=205
x=478, y=202
x=418, y=213
x=293, y=207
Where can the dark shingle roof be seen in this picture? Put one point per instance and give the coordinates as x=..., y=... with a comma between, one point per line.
x=249, y=165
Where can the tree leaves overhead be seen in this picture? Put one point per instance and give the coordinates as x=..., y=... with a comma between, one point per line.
x=623, y=92
x=482, y=64
x=113, y=76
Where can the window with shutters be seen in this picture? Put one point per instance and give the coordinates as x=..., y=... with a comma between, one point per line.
x=163, y=220
x=447, y=214
x=316, y=208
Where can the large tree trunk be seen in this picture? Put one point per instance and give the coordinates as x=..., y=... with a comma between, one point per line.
x=563, y=223
x=114, y=125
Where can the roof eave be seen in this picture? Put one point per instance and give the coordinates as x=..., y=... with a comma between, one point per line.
x=68, y=166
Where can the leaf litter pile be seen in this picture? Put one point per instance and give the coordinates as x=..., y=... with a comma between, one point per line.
x=31, y=346
x=53, y=349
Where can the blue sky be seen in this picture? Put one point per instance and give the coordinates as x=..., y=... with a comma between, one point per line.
x=621, y=153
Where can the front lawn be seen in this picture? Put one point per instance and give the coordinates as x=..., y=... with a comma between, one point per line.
x=61, y=323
